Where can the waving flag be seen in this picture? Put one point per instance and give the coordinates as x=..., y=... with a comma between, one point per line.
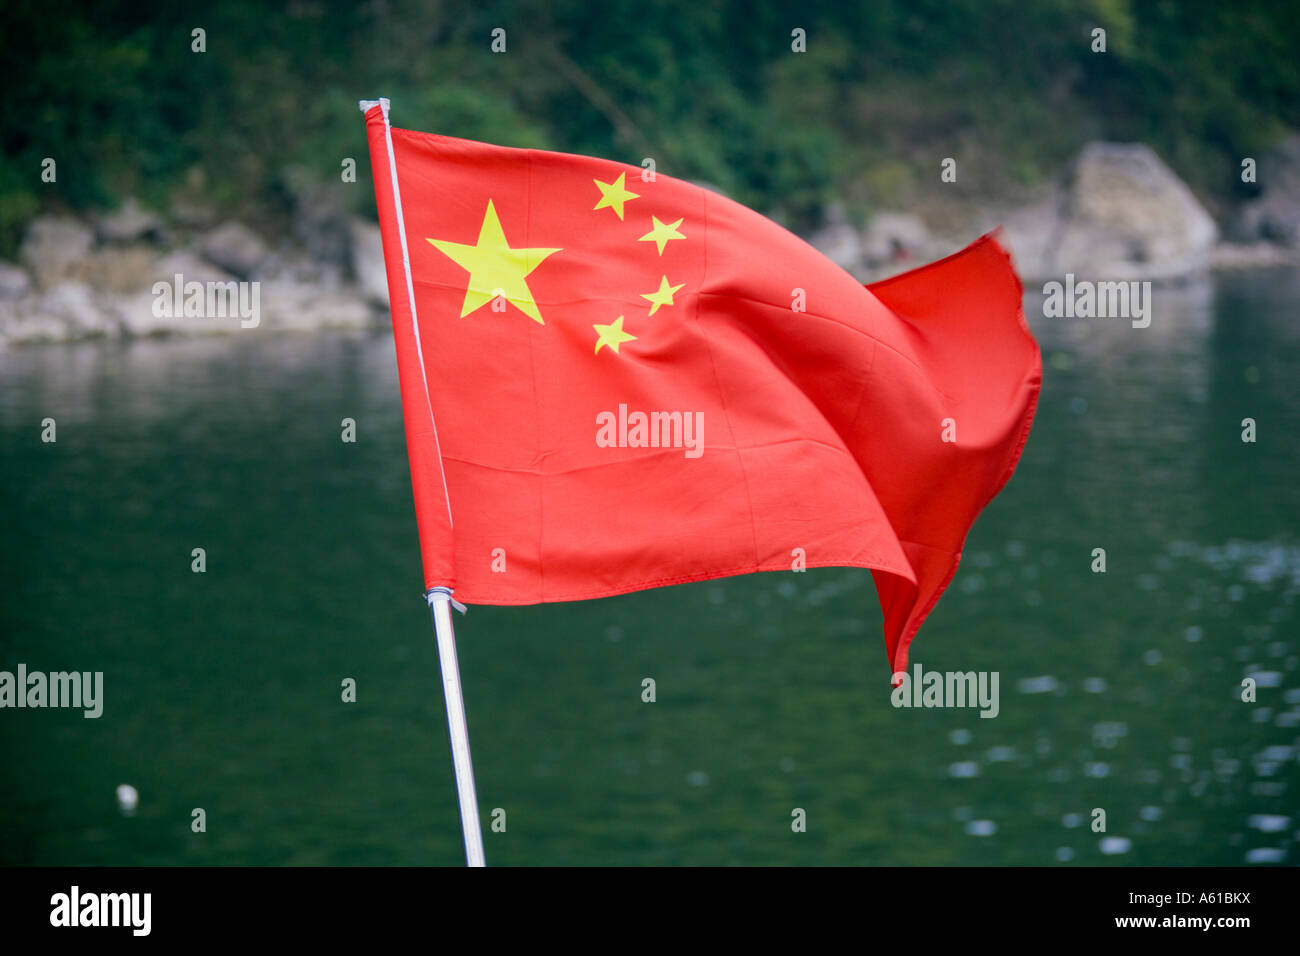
x=613, y=381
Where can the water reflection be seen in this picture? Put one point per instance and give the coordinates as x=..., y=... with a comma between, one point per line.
x=1123, y=689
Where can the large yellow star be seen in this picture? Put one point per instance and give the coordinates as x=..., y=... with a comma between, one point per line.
x=611, y=335
x=661, y=233
x=614, y=194
x=494, y=268
x=663, y=296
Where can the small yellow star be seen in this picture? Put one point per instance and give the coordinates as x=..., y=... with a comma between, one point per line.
x=612, y=335
x=613, y=195
x=664, y=295
x=661, y=233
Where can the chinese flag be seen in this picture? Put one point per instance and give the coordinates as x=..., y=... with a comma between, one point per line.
x=613, y=381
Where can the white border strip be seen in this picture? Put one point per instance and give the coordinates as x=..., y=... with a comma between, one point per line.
x=384, y=103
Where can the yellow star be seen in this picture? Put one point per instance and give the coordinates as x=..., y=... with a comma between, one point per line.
x=661, y=233
x=611, y=335
x=614, y=194
x=494, y=268
x=664, y=295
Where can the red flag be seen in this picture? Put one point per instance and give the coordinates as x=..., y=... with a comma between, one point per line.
x=614, y=382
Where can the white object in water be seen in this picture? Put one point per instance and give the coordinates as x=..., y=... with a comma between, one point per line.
x=128, y=798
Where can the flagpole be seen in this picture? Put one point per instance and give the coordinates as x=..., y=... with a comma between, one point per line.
x=439, y=598
x=441, y=603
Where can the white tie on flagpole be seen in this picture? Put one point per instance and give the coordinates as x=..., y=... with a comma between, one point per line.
x=440, y=599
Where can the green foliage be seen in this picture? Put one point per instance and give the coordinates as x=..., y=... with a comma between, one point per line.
x=712, y=91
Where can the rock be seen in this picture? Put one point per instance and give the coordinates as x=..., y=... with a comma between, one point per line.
x=1119, y=213
x=300, y=293
x=320, y=223
x=289, y=305
x=1032, y=233
x=367, y=257
x=234, y=247
x=126, y=287
x=117, y=268
x=166, y=267
x=291, y=292
x=129, y=223
x=19, y=325
x=1252, y=255
x=74, y=304
x=135, y=312
x=1131, y=217
x=894, y=238
x=291, y=264
x=52, y=246
x=14, y=281
x=65, y=311
x=1275, y=215
x=837, y=240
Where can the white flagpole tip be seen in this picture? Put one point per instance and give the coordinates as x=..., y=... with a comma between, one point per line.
x=367, y=105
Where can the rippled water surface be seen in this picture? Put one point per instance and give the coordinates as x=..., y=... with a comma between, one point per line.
x=1119, y=691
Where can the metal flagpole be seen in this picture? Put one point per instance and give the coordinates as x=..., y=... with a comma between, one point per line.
x=441, y=603
x=440, y=600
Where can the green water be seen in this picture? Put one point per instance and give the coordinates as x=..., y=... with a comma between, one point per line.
x=1119, y=691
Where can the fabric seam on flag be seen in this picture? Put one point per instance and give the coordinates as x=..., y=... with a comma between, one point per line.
x=537, y=428
x=869, y=336
x=675, y=453
x=853, y=426
x=906, y=574
x=717, y=381
x=410, y=294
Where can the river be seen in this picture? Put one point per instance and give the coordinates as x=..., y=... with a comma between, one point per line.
x=1120, y=691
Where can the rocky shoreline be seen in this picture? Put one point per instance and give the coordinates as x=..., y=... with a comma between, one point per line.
x=1116, y=212
x=79, y=279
